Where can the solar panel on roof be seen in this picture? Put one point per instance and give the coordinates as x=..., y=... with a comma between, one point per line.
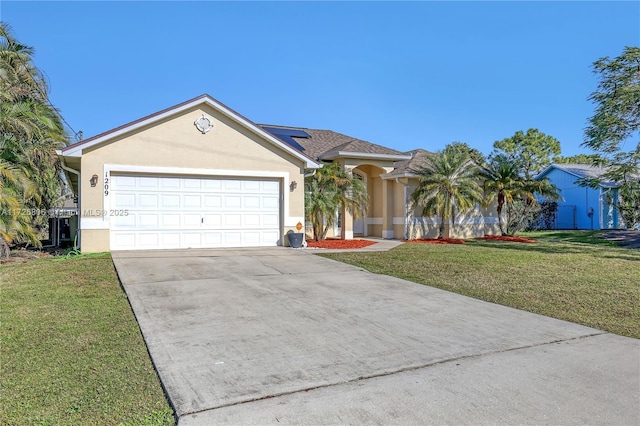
x=296, y=133
x=287, y=135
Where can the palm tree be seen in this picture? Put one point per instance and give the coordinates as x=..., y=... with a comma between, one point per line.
x=448, y=186
x=329, y=190
x=30, y=132
x=502, y=182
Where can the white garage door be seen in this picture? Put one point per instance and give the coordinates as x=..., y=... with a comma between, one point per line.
x=164, y=212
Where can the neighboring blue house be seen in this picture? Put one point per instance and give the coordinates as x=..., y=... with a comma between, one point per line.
x=582, y=207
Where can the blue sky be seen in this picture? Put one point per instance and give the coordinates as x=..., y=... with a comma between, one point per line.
x=404, y=75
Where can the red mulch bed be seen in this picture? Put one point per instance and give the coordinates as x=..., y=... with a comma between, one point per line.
x=339, y=244
x=509, y=238
x=437, y=241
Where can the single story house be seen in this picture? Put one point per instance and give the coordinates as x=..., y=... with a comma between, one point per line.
x=199, y=174
x=582, y=207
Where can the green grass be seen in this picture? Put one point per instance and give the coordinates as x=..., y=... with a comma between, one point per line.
x=594, y=285
x=71, y=351
x=583, y=237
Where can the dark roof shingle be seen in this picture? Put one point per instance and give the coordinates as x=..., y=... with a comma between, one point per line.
x=322, y=142
x=408, y=167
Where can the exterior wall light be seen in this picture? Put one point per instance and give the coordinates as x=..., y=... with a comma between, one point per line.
x=293, y=185
x=94, y=180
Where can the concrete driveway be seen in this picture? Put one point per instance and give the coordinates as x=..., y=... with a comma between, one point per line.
x=280, y=336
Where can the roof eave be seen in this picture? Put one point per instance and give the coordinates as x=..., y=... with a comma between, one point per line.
x=346, y=154
x=398, y=175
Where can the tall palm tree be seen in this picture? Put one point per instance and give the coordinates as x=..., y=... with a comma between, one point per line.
x=448, y=186
x=328, y=191
x=501, y=182
x=30, y=132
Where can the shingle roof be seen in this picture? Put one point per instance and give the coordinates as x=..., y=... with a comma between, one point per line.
x=322, y=142
x=408, y=167
x=581, y=171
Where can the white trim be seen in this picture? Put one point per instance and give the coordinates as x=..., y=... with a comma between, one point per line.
x=374, y=221
x=398, y=220
x=348, y=235
x=423, y=220
x=387, y=234
x=392, y=175
x=291, y=222
x=474, y=220
x=93, y=223
x=76, y=151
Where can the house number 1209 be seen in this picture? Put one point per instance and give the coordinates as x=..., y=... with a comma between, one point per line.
x=106, y=184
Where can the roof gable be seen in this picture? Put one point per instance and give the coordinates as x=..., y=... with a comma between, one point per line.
x=76, y=150
x=580, y=171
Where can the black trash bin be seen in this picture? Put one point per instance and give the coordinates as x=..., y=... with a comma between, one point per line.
x=295, y=239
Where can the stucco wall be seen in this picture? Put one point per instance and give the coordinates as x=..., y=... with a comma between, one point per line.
x=476, y=223
x=175, y=146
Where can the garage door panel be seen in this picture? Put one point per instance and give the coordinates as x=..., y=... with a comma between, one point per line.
x=212, y=185
x=212, y=239
x=252, y=220
x=169, y=201
x=124, y=221
x=148, y=240
x=191, y=239
x=123, y=182
x=191, y=220
x=232, y=220
x=270, y=221
x=251, y=202
x=231, y=239
x=170, y=184
x=213, y=201
x=192, y=201
x=268, y=237
x=232, y=185
x=232, y=201
x=147, y=182
x=148, y=220
x=252, y=238
x=169, y=220
x=192, y=184
x=170, y=239
x=182, y=212
x=125, y=201
x=127, y=241
x=147, y=201
x=270, y=187
x=270, y=203
x=253, y=186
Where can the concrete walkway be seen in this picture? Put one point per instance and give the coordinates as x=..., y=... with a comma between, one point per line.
x=279, y=336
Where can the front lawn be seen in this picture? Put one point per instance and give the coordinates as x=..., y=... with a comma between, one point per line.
x=71, y=351
x=584, y=237
x=594, y=285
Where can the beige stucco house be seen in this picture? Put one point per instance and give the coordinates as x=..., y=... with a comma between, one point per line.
x=199, y=174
